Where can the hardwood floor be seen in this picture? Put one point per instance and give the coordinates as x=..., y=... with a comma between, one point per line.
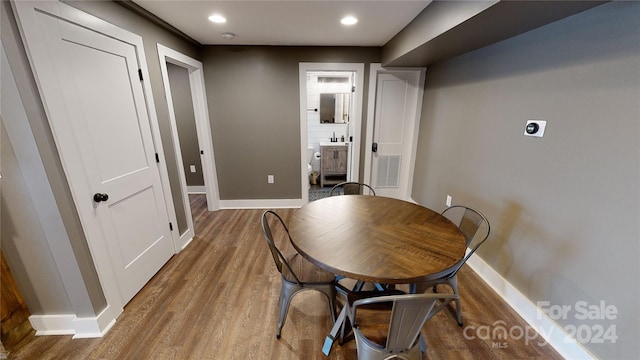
x=217, y=299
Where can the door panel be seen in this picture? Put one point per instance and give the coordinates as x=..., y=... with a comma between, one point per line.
x=98, y=113
x=393, y=94
x=397, y=100
x=103, y=122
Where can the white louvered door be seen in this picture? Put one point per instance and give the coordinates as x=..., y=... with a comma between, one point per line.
x=398, y=98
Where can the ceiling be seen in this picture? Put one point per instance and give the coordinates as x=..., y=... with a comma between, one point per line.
x=288, y=23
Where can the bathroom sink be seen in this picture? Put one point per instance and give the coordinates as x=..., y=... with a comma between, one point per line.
x=328, y=143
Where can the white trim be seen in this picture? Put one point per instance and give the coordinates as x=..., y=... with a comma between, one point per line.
x=374, y=69
x=201, y=113
x=356, y=119
x=70, y=324
x=261, y=204
x=182, y=238
x=196, y=190
x=551, y=331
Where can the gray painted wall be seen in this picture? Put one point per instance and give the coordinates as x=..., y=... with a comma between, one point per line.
x=564, y=209
x=24, y=241
x=254, y=105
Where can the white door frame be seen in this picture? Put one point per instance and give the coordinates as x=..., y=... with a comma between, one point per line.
x=374, y=69
x=355, y=121
x=203, y=130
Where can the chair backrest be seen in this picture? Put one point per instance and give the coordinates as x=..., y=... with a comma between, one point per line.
x=474, y=226
x=351, y=188
x=409, y=312
x=277, y=255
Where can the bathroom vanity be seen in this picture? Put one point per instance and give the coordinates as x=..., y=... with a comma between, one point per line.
x=333, y=163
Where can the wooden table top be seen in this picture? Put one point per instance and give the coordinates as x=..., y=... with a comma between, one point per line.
x=376, y=239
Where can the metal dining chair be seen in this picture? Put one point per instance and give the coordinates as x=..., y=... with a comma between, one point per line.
x=389, y=326
x=351, y=188
x=476, y=229
x=297, y=273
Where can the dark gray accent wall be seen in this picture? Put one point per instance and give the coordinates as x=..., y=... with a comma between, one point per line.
x=254, y=105
x=564, y=208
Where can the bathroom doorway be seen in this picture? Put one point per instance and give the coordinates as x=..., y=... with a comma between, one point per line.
x=330, y=118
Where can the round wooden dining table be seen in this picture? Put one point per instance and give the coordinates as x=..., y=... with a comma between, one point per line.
x=376, y=239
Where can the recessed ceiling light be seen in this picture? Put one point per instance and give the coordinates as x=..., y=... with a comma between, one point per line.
x=217, y=18
x=349, y=20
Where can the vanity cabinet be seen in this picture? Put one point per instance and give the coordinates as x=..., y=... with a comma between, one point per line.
x=333, y=162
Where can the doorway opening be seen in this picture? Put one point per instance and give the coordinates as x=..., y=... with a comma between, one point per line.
x=330, y=125
x=191, y=137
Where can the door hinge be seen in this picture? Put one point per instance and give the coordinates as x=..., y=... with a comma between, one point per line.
x=157, y=158
x=353, y=89
x=140, y=74
x=171, y=226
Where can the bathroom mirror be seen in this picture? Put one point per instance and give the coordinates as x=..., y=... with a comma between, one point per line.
x=334, y=108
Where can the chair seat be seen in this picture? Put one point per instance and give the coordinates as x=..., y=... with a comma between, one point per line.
x=306, y=271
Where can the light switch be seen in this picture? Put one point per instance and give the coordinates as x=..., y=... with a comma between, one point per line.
x=192, y=168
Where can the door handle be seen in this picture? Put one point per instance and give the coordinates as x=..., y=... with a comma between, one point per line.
x=374, y=147
x=98, y=197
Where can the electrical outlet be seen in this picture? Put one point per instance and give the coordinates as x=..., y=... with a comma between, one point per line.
x=192, y=168
x=449, y=199
x=270, y=179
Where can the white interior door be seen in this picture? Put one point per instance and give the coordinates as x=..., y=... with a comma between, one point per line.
x=392, y=144
x=98, y=111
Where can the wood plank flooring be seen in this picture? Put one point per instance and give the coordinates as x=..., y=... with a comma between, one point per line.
x=217, y=299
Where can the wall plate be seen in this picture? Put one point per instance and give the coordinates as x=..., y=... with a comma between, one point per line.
x=531, y=130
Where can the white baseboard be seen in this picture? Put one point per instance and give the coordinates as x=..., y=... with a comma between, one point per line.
x=261, y=204
x=70, y=324
x=549, y=330
x=196, y=190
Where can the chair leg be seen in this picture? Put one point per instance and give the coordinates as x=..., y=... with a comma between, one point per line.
x=453, y=282
x=458, y=312
x=286, y=293
x=330, y=293
x=423, y=343
x=413, y=288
